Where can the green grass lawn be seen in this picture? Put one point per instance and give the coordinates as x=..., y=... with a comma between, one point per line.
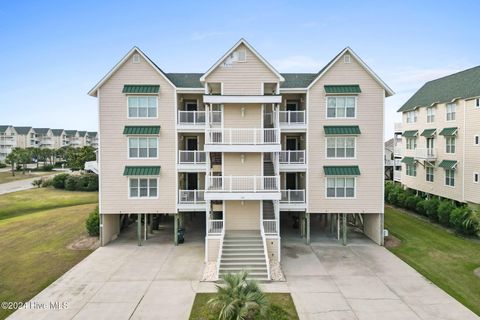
x=7, y=176
x=444, y=258
x=36, y=226
x=282, y=307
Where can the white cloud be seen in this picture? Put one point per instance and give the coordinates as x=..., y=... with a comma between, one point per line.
x=298, y=63
x=206, y=34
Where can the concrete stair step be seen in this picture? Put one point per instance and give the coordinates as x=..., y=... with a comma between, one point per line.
x=240, y=255
x=242, y=245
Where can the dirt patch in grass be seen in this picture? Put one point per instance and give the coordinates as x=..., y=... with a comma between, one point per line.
x=477, y=272
x=85, y=243
x=392, y=242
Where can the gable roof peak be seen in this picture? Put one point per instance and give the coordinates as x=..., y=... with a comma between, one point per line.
x=252, y=49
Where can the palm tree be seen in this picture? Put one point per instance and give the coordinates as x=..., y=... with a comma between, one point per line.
x=239, y=298
x=12, y=159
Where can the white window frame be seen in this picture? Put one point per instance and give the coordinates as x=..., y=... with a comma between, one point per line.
x=138, y=178
x=136, y=58
x=430, y=174
x=449, y=178
x=345, y=148
x=138, y=148
x=412, y=116
x=341, y=96
x=142, y=96
x=450, y=110
x=450, y=144
x=413, y=169
x=476, y=177
x=431, y=114
x=244, y=54
x=345, y=187
x=411, y=143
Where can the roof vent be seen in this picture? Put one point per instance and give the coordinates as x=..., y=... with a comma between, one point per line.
x=346, y=58
x=136, y=58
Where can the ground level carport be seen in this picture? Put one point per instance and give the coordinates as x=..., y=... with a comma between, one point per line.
x=142, y=228
x=331, y=227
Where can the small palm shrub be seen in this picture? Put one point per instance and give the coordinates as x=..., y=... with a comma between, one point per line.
x=431, y=206
x=93, y=223
x=239, y=298
x=421, y=207
x=37, y=183
x=443, y=211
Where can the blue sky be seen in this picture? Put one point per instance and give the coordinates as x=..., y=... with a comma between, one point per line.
x=53, y=52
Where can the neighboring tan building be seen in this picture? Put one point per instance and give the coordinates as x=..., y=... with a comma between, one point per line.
x=8, y=140
x=441, y=138
x=59, y=138
x=73, y=138
x=244, y=145
x=26, y=137
x=44, y=137
x=92, y=139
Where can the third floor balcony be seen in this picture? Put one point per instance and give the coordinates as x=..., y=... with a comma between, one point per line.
x=428, y=154
x=292, y=120
x=292, y=160
x=242, y=140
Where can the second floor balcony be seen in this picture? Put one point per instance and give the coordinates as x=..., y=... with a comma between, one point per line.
x=191, y=160
x=292, y=160
x=242, y=188
x=242, y=140
x=292, y=200
x=191, y=119
x=292, y=120
x=428, y=154
x=191, y=200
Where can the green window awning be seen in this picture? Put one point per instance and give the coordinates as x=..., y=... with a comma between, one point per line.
x=141, y=171
x=341, y=170
x=143, y=88
x=448, y=164
x=342, y=130
x=449, y=131
x=410, y=133
x=428, y=133
x=408, y=160
x=141, y=130
x=343, y=89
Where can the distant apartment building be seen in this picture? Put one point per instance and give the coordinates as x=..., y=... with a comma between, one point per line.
x=243, y=145
x=27, y=137
x=440, y=138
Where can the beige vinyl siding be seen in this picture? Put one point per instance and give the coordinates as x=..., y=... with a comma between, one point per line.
x=114, y=153
x=369, y=151
x=252, y=116
x=242, y=215
x=437, y=187
x=243, y=78
x=233, y=166
x=472, y=151
x=213, y=247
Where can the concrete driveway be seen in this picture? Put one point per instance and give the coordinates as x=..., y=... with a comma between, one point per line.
x=362, y=281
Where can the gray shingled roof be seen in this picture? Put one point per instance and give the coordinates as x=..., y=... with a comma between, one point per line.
x=70, y=132
x=57, y=132
x=82, y=133
x=192, y=80
x=4, y=128
x=464, y=84
x=41, y=130
x=22, y=130
x=92, y=133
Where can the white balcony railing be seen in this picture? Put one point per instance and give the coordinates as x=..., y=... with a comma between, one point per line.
x=292, y=117
x=191, y=196
x=397, y=175
x=242, y=184
x=425, y=153
x=398, y=126
x=215, y=117
x=215, y=226
x=242, y=136
x=292, y=157
x=292, y=196
x=191, y=117
x=270, y=226
x=191, y=157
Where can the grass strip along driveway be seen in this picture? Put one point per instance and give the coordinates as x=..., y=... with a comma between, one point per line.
x=442, y=257
x=7, y=176
x=36, y=226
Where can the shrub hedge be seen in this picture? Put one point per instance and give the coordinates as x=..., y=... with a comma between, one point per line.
x=93, y=223
x=84, y=182
x=446, y=212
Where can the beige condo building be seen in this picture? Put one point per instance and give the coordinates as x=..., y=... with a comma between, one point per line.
x=243, y=145
x=440, y=138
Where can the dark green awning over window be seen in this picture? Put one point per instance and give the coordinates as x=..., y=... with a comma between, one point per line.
x=410, y=133
x=341, y=170
x=141, y=171
x=342, y=130
x=342, y=89
x=408, y=160
x=448, y=164
x=428, y=133
x=141, y=130
x=449, y=131
x=143, y=88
